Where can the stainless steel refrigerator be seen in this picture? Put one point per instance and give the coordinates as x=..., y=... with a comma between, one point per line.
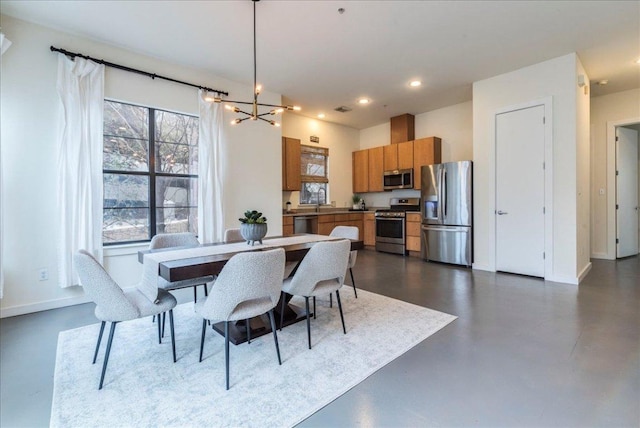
x=447, y=212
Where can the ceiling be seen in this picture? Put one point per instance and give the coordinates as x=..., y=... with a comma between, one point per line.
x=321, y=59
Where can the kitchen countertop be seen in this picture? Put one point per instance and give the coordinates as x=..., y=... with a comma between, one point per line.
x=328, y=211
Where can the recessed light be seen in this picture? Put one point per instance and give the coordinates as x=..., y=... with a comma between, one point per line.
x=603, y=82
x=364, y=101
x=415, y=83
x=321, y=116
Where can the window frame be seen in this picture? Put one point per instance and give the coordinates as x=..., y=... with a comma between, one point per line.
x=152, y=174
x=304, y=178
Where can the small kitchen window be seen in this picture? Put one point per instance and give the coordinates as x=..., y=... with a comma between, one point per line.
x=314, y=174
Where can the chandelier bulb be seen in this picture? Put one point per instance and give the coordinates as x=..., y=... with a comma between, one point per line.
x=258, y=89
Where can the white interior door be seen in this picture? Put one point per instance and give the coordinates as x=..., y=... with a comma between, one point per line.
x=626, y=192
x=520, y=191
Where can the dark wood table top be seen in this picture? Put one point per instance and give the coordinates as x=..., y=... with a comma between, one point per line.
x=194, y=267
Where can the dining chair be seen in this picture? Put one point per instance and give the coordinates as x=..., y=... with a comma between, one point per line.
x=183, y=239
x=231, y=235
x=349, y=232
x=247, y=286
x=321, y=271
x=115, y=305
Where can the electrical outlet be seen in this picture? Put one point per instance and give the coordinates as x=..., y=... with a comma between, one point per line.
x=602, y=191
x=43, y=274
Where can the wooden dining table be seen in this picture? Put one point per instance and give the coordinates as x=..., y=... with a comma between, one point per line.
x=180, y=263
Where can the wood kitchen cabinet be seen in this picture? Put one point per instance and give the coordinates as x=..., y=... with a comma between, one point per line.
x=376, y=168
x=413, y=231
x=402, y=128
x=398, y=156
x=291, y=164
x=326, y=223
x=426, y=151
x=360, y=171
x=369, y=229
x=287, y=226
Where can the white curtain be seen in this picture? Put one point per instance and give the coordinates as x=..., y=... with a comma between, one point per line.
x=4, y=45
x=81, y=90
x=210, y=217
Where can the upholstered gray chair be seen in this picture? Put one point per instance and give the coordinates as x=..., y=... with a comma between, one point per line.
x=187, y=240
x=349, y=232
x=248, y=286
x=231, y=235
x=321, y=272
x=115, y=305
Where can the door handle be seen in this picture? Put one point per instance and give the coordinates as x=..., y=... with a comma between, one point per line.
x=499, y=212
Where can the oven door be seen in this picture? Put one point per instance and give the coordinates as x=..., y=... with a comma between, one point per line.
x=390, y=230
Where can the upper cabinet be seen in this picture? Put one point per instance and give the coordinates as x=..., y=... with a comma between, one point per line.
x=402, y=128
x=376, y=168
x=426, y=151
x=291, y=164
x=360, y=171
x=398, y=156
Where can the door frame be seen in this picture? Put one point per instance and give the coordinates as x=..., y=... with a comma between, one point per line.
x=611, y=182
x=547, y=102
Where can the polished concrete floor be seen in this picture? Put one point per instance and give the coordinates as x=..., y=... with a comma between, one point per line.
x=522, y=353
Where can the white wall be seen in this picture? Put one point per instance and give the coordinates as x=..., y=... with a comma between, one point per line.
x=341, y=142
x=29, y=111
x=618, y=107
x=452, y=124
x=583, y=159
x=556, y=78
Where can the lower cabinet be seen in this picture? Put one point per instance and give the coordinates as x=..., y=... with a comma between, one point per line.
x=413, y=232
x=369, y=229
x=326, y=223
x=287, y=226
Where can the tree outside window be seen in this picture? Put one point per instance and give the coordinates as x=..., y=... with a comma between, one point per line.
x=314, y=175
x=150, y=172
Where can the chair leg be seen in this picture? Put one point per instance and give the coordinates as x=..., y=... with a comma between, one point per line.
x=248, y=325
x=159, y=329
x=164, y=319
x=173, y=337
x=282, y=310
x=275, y=335
x=314, y=307
x=95, y=355
x=306, y=303
x=330, y=300
x=206, y=290
x=195, y=294
x=226, y=350
x=107, y=352
x=344, y=329
x=204, y=329
x=353, y=281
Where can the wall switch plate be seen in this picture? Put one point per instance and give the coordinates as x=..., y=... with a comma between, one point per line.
x=43, y=274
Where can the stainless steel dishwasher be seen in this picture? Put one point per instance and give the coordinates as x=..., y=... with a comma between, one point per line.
x=305, y=224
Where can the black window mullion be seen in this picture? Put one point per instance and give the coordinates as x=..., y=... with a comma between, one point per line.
x=152, y=172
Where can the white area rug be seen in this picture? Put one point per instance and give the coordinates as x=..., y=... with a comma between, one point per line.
x=143, y=387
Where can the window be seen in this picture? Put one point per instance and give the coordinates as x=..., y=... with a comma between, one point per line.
x=314, y=162
x=149, y=173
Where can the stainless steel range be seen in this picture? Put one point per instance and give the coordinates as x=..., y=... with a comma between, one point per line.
x=390, y=225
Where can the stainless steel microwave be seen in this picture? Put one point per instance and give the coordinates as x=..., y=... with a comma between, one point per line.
x=398, y=179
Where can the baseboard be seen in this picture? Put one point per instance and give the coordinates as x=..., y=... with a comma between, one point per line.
x=603, y=256
x=584, y=272
x=13, y=311
x=477, y=266
x=562, y=279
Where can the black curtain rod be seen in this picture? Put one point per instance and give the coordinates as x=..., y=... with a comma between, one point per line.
x=133, y=70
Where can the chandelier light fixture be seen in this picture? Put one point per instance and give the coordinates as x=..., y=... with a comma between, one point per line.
x=254, y=114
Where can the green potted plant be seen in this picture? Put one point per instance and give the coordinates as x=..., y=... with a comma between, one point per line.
x=253, y=226
x=356, y=201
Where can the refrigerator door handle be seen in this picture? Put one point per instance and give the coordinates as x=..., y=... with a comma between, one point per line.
x=443, y=192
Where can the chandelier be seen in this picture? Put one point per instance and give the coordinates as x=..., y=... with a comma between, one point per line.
x=254, y=114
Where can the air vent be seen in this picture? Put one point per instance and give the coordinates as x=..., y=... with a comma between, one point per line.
x=342, y=109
